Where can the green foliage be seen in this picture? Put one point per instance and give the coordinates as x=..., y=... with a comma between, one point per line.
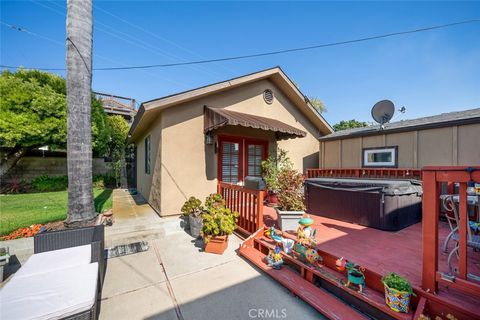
x=394, y=281
x=101, y=136
x=214, y=201
x=349, y=124
x=217, y=219
x=104, y=181
x=33, y=112
x=118, y=136
x=47, y=184
x=317, y=104
x=192, y=206
x=271, y=168
x=52, y=183
x=290, y=190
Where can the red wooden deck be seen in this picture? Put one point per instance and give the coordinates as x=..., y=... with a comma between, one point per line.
x=383, y=251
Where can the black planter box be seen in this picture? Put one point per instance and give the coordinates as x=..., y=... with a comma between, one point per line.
x=382, y=204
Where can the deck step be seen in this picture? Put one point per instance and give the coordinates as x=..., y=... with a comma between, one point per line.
x=327, y=304
x=335, y=280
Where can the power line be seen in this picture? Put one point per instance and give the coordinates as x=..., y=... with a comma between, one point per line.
x=126, y=37
x=256, y=55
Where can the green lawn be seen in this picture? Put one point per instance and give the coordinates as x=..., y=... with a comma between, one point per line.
x=23, y=210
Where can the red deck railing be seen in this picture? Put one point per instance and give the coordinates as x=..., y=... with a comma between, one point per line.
x=433, y=177
x=392, y=173
x=247, y=202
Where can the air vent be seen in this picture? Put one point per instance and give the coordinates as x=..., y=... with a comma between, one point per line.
x=268, y=96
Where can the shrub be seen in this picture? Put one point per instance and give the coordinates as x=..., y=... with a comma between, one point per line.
x=192, y=206
x=104, y=181
x=48, y=183
x=272, y=167
x=217, y=219
x=14, y=185
x=394, y=281
x=290, y=190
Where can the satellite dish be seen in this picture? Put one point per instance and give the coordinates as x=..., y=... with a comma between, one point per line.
x=382, y=112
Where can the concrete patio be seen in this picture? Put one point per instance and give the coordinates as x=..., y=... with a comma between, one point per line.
x=174, y=279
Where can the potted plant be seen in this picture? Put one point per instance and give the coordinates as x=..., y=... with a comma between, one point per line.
x=397, y=292
x=291, y=201
x=270, y=170
x=192, y=209
x=218, y=223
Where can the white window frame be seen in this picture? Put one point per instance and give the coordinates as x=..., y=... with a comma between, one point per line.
x=390, y=164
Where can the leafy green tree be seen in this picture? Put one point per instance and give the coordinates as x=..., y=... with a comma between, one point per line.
x=33, y=114
x=349, y=124
x=118, y=136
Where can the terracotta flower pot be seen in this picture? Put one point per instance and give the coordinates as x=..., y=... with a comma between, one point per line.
x=272, y=198
x=217, y=244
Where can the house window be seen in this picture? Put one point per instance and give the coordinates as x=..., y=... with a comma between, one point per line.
x=147, y=155
x=380, y=157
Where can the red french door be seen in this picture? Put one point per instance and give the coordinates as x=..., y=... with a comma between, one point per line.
x=239, y=157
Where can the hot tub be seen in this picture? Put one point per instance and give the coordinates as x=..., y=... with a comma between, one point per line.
x=382, y=204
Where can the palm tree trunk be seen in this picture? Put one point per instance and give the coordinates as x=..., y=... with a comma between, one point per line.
x=79, y=128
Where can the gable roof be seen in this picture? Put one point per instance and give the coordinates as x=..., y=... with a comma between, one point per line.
x=437, y=121
x=150, y=109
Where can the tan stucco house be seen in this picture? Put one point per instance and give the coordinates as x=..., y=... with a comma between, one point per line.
x=187, y=142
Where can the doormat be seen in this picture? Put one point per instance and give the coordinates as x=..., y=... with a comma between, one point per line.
x=126, y=249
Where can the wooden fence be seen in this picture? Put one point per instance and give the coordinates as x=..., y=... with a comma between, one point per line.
x=390, y=173
x=247, y=202
x=433, y=177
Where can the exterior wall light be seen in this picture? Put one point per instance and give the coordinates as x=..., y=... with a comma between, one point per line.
x=209, y=138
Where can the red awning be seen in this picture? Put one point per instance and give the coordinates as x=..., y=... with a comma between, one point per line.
x=218, y=117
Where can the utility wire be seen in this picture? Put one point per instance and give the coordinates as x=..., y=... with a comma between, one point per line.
x=256, y=55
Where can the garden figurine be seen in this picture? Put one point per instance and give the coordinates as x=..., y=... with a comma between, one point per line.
x=274, y=258
x=355, y=275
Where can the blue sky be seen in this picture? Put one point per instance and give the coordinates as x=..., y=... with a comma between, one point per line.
x=428, y=73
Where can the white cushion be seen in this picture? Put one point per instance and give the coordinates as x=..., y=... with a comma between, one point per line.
x=51, y=295
x=55, y=260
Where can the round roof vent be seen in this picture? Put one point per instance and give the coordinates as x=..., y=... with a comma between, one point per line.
x=268, y=96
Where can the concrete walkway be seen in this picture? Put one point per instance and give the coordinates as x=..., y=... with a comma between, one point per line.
x=175, y=280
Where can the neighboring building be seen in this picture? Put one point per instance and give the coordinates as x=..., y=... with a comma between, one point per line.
x=447, y=139
x=188, y=141
x=117, y=105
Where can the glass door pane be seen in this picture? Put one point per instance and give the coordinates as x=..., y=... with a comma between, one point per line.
x=256, y=154
x=230, y=161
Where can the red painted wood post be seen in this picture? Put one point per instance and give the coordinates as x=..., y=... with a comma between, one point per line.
x=430, y=209
x=260, y=210
x=462, y=229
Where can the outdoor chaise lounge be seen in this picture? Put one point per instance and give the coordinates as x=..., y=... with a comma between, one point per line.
x=61, y=280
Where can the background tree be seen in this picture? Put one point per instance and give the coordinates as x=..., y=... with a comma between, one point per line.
x=349, y=124
x=317, y=104
x=33, y=114
x=81, y=210
x=118, y=143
